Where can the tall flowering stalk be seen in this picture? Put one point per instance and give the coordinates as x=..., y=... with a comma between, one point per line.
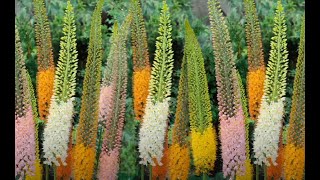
x=257, y=70
x=57, y=130
x=267, y=131
x=85, y=148
x=295, y=147
x=154, y=125
x=115, y=113
x=179, y=156
x=106, y=95
x=25, y=138
x=46, y=69
x=38, y=166
x=203, y=134
x=249, y=168
x=141, y=65
x=232, y=120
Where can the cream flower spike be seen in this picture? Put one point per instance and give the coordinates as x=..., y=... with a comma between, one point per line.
x=152, y=131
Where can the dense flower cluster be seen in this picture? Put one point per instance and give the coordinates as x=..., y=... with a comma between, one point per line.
x=294, y=162
x=141, y=80
x=152, y=131
x=105, y=103
x=161, y=171
x=55, y=144
x=37, y=175
x=46, y=69
x=256, y=67
x=84, y=161
x=179, y=156
x=179, y=162
x=275, y=171
x=231, y=116
x=249, y=171
x=140, y=56
x=25, y=152
x=255, y=90
x=204, y=147
x=232, y=133
x=45, y=79
x=65, y=172
x=266, y=134
x=248, y=166
x=110, y=164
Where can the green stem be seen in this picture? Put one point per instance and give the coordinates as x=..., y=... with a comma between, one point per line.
x=47, y=171
x=257, y=172
x=265, y=172
x=204, y=176
x=54, y=172
x=142, y=172
x=150, y=172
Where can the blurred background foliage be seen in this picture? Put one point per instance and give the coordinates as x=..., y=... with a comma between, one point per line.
x=197, y=13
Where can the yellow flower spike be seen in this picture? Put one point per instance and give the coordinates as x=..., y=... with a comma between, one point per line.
x=38, y=172
x=204, y=149
x=249, y=171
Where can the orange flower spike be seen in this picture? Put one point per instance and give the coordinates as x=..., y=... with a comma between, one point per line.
x=45, y=79
x=179, y=162
x=275, y=172
x=85, y=149
x=179, y=156
x=46, y=71
x=64, y=172
x=84, y=162
x=296, y=157
x=255, y=90
x=295, y=148
x=256, y=72
x=160, y=172
x=141, y=65
x=141, y=80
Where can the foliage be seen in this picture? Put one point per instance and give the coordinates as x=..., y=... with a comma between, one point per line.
x=116, y=10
